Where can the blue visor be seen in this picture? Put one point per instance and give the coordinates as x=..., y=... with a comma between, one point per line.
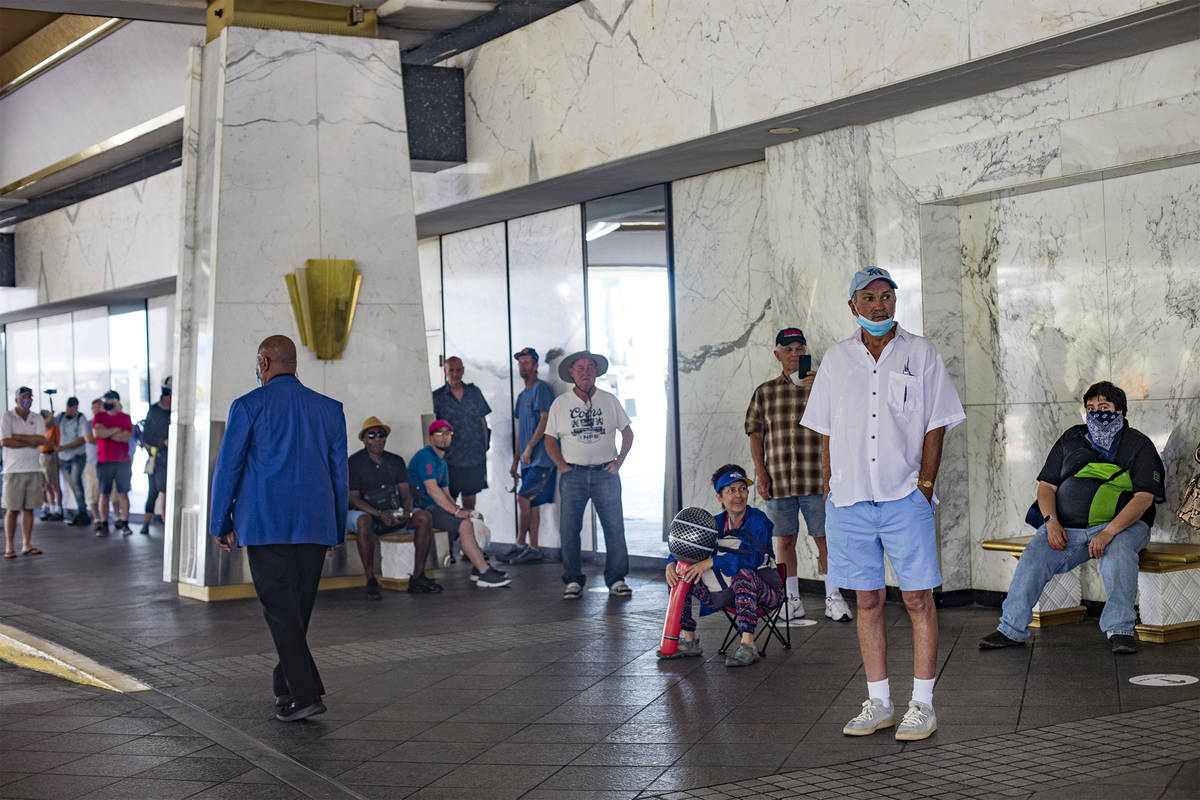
x=732, y=477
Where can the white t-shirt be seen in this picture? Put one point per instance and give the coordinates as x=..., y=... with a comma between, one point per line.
x=587, y=430
x=22, y=459
x=876, y=414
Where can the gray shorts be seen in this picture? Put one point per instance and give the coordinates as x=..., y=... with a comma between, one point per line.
x=784, y=513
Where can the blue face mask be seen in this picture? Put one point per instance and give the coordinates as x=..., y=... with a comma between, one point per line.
x=25, y=403
x=257, y=377
x=875, y=328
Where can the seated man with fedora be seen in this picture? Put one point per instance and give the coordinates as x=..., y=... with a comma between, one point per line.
x=380, y=502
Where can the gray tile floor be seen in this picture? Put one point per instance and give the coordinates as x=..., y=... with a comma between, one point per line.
x=515, y=693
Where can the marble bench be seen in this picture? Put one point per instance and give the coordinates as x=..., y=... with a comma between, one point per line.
x=396, y=553
x=1168, y=591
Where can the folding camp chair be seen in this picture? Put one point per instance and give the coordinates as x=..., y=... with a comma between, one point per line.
x=768, y=623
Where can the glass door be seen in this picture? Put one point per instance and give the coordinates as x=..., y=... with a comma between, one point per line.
x=629, y=322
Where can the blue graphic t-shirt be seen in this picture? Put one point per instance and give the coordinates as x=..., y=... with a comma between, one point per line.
x=424, y=465
x=531, y=404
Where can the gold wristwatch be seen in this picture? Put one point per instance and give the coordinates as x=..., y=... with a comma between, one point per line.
x=925, y=484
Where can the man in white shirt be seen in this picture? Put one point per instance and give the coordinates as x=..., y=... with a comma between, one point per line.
x=882, y=402
x=22, y=432
x=581, y=435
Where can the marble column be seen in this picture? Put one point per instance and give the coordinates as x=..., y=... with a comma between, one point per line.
x=295, y=147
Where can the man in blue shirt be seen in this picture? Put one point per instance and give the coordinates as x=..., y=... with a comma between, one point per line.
x=281, y=488
x=429, y=476
x=530, y=462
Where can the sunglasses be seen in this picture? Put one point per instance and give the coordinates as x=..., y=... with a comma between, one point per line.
x=374, y=435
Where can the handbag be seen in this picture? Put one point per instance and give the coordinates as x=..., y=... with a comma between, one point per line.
x=385, y=498
x=1189, y=501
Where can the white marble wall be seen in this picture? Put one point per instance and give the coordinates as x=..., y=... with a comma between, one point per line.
x=726, y=317
x=475, y=304
x=992, y=215
x=543, y=99
x=121, y=238
x=546, y=301
x=295, y=148
x=429, y=254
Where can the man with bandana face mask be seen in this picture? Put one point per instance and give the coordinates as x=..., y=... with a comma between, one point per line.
x=1095, y=498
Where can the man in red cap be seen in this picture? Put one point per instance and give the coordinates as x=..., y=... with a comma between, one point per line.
x=429, y=476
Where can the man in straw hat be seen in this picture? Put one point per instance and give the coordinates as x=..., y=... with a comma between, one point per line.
x=380, y=502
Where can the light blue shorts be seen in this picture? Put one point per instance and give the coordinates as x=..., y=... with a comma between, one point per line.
x=353, y=516
x=784, y=513
x=860, y=534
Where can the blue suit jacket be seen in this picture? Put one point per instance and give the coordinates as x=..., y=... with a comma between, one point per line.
x=281, y=475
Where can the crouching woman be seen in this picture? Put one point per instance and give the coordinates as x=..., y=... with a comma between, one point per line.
x=743, y=572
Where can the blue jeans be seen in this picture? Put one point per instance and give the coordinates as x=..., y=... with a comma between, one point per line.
x=603, y=488
x=1040, y=562
x=74, y=469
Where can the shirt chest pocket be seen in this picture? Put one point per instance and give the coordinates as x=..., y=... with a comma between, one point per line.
x=904, y=393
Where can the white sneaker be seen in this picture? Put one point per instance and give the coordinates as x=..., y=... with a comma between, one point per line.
x=572, y=591
x=793, y=611
x=918, y=722
x=874, y=715
x=836, y=608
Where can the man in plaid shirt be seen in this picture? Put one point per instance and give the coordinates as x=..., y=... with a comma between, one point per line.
x=787, y=460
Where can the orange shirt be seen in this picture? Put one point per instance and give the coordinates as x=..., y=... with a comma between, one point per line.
x=53, y=434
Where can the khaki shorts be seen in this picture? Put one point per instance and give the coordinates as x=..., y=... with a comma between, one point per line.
x=23, y=490
x=91, y=485
x=50, y=467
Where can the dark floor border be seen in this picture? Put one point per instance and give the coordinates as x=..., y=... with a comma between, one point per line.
x=304, y=780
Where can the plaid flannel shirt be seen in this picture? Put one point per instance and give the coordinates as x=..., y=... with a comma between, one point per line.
x=792, y=453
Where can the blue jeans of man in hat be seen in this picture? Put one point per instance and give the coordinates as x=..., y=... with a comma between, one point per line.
x=603, y=488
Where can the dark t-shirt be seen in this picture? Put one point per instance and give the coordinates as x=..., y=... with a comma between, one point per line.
x=1073, y=451
x=366, y=475
x=468, y=447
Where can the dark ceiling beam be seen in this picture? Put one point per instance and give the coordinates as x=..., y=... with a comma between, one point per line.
x=506, y=17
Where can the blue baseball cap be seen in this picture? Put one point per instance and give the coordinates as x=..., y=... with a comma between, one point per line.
x=868, y=274
x=733, y=476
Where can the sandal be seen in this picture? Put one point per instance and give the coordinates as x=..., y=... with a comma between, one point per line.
x=10, y=554
x=33, y=551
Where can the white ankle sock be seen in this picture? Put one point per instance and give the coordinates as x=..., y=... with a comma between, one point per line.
x=923, y=690
x=880, y=690
x=830, y=589
x=793, y=586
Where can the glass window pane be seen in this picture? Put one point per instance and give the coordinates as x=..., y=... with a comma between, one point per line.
x=89, y=329
x=21, y=358
x=129, y=374
x=160, y=316
x=55, y=356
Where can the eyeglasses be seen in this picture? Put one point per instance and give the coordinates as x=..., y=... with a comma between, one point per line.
x=374, y=435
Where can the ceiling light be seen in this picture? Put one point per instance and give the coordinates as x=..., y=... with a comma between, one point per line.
x=598, y=229
x=783, y=130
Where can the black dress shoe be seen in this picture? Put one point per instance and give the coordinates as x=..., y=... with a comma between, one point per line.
x=995, y=640
x=281, y=701
x=1123, y=644
x=294, y=712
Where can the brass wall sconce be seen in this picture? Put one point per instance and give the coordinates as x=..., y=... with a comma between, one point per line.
x=324, y=296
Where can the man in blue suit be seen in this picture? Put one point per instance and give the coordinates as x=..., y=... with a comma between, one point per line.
x=281, y=488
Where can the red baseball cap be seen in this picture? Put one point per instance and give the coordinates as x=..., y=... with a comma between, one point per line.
x=439, y=424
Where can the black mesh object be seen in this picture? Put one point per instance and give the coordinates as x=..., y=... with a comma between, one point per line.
x=693, y=535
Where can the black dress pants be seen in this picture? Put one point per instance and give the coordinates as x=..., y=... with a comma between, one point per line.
x=286, y=577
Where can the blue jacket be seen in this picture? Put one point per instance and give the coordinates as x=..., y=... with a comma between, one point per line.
x=281, y=475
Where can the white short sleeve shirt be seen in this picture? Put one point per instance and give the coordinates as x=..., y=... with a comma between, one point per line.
x=876, y=414
x=587, y=430
x=22, y=459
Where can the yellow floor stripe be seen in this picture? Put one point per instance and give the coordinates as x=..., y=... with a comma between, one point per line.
x=31, y=652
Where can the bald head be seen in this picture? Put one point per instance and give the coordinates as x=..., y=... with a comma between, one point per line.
x=276, y=356
x=454, y=371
